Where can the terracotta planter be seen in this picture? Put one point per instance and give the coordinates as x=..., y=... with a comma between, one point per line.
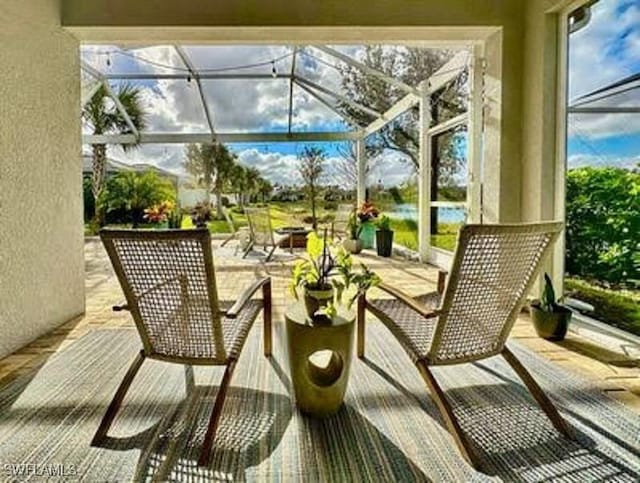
x=550, y=325
x=384, y=242
x=314, y=299
x=352, y=246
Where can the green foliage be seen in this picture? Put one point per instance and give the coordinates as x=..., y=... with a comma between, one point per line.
x=603, y=224
x=131, y=193
x=619, y=308
x=354, y=227
x=384, y=223
x=548, y=300
x=311, y=168
x=330, y=266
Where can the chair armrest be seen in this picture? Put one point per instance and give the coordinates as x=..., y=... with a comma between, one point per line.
x=235, y=309
x=442, y=280
x=408, y=301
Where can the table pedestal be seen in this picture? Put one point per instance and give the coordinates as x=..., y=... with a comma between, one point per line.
x=320, y=356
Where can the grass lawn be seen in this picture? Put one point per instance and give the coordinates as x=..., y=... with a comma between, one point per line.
x=406, y=234
x=295, y=214
x=618, y=308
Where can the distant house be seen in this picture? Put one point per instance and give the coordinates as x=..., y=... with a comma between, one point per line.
x=114, y=166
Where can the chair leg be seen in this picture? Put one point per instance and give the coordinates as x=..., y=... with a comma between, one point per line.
x=114, y=406
x=537, y=392
x=189, y=378
x=231, y=237
x=360, y=318
x=247, y=250
x=450, y=419
x=205, y=452
x=267, y=316
x=271, y=253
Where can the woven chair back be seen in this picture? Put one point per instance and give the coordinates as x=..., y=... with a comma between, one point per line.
x=260, y=226
x=493, y=270
x=168, y=279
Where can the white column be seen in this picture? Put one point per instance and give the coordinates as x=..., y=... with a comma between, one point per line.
x=424, y=175
x=474, y=136
x=361, y=184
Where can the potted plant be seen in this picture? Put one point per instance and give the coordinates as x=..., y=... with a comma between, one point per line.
x=352, y=243
x=325, y=274
x=158, y=215
x=550, y=318
x=384, y=237
x=367, y=215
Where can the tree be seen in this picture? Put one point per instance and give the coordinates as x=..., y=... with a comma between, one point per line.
x=252, y=180
x=104, y=117
x=311, y=169
x=603, y=224
x=238, y=182
x=265, y=188
x=411, y=65
x=133, y=192
x=212, y=164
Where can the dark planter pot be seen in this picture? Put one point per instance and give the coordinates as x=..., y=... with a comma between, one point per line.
x=384, y=242
x=550, y=325
x=352, y=246
x=314, y=299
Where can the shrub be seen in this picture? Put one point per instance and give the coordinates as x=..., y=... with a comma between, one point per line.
x=89, y=203
x=603, y=224
x=330, y=205
x=128, y=194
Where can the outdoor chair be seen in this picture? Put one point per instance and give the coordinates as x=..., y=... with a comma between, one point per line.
x=341, y=221
x=470, y=317
x=261, y=232
x=169, y=283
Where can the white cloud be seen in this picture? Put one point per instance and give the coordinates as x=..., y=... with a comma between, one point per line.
x=605, y=51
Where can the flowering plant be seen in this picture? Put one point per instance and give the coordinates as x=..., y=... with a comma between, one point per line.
x=367, y=212
x=158, y=213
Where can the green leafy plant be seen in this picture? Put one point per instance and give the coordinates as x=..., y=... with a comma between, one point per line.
x=354, y=227
x=330, y=267
x=384, y=223
x=175, y=218
x=548, y=301
x=602, y=225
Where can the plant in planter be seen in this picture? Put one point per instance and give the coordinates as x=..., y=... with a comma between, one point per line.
x=175, y=218
x=327, y=273
x=352, y=243
x=550, y=318
x=201, y=214
x=367, y=215
x=158, y=215
x=384, y=237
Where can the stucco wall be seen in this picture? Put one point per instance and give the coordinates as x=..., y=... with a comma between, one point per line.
x=328, y=21
x=41, y=239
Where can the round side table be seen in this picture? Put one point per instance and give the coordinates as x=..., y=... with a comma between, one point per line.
x=320, y=353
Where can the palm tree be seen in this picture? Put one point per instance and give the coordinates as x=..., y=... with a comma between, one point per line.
x=265, y=188
x=212, y=164
x=101, y=113
x=252, y=178
x=238, y=182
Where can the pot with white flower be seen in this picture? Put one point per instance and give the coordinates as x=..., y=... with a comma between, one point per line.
x=325, y=274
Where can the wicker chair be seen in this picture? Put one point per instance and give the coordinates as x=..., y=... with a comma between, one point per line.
x=261, y=232
x=169, y=283
x=470, y=319
x=341, y=221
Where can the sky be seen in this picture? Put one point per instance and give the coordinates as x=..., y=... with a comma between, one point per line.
x=606, y=50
